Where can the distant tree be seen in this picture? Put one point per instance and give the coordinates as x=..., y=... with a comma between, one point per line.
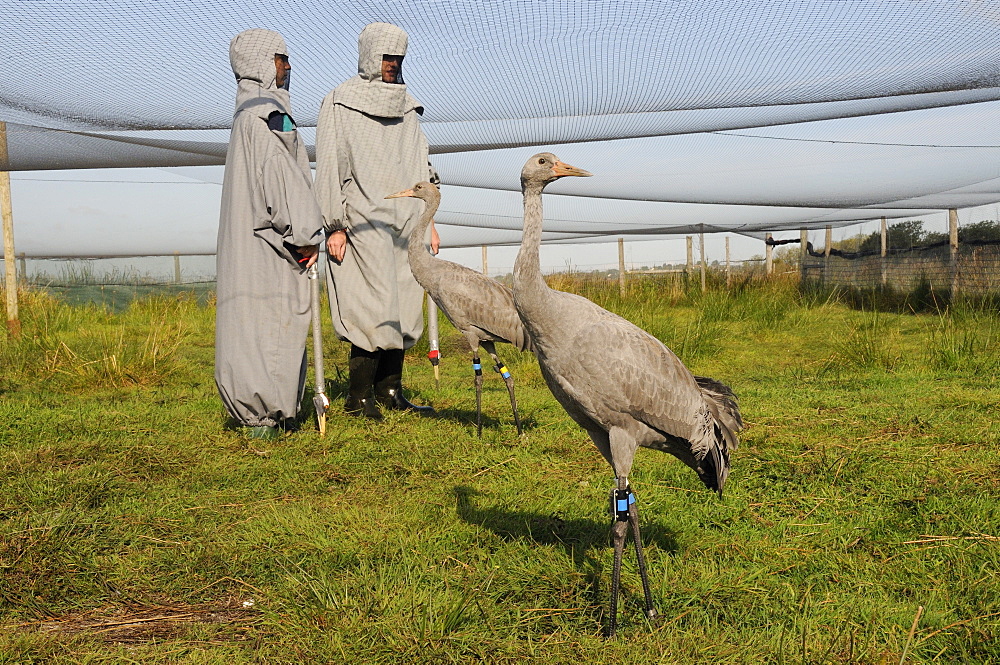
x=901, y=235
x=979, y=232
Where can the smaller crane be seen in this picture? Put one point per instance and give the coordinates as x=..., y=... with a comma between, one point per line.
x=481, y=308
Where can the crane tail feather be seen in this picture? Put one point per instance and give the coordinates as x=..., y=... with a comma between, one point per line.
x=722, y=402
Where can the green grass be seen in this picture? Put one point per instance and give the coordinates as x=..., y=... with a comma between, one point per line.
x=135, y=528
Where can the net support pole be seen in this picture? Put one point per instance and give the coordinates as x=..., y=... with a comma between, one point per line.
x=177, y=267
x=953, y=249
x=703, y=266
x=885, y=247
x=690, y=261
x=803, y=253
x=621, y=267
x=23, y=268
x=826, y=255
x=486, y=264
x=768, y=257
x=10, y=267
x=729, y=280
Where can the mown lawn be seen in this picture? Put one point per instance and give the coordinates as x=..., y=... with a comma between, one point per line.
x=861, y=522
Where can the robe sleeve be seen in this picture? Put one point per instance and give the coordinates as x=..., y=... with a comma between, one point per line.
x=329, y=192
x=295, y=216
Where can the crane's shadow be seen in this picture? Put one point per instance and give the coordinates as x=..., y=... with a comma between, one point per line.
x=578, y=538
x=468, y=417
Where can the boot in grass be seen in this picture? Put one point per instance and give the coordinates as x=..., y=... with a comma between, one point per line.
x=389, y=384
x=262, y=432
x=360, y=396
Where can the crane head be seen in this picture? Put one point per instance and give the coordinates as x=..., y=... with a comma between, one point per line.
x=422, y=190
x=546, y=167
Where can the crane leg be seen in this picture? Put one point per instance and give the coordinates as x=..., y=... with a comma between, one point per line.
x=478, y=368
x=633, y=520
x=619, y=528
x=502, y=370
x=626, y=516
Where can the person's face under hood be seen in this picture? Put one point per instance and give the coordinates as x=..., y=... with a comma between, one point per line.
x=254, y=55
x=381, y=43
x=392, y=68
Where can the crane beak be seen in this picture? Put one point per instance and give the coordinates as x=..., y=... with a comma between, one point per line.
x=405, y=192
x=563, y=169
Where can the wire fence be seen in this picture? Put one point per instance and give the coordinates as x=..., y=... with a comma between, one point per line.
x=972, y=270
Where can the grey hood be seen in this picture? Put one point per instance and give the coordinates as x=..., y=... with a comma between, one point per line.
x=367, y=92
x=251, y=54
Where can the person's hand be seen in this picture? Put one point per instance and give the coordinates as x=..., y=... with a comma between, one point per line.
x=336, y=245
x=311, y=252
x=435, y=239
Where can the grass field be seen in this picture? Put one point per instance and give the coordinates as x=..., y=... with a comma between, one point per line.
x=861, y=522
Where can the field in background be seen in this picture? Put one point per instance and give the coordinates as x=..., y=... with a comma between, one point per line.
x=861, y=522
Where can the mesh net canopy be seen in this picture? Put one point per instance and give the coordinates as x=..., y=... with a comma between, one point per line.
x=704, y=115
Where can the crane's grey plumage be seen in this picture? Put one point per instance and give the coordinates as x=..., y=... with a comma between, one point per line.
x=618, y=382
x=481, y=308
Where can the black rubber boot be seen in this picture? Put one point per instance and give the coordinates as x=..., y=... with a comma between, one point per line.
x=389, y=384
x=360, y=396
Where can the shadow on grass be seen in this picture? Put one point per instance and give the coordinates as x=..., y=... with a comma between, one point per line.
x=577, y=537
x=468, y=417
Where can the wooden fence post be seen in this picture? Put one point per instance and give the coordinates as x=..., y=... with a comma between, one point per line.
x=177, y=267
x=953, y=249
x=10, y=267
x=690, y=262
x=23, y=268
x=768, y=257
x=826, y=255
x=803, y=253
x=885, y=248
x=621, y=266
x=701, y=243
x=729, y=280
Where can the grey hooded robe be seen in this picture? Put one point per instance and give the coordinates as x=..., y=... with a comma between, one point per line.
x=268, y=208
x=368, y=145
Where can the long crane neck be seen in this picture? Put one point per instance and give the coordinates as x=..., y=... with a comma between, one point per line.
x=529, y=286
x=417, y=252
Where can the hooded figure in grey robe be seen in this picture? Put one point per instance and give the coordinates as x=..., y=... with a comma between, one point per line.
x=368, y=145
x=269, y=213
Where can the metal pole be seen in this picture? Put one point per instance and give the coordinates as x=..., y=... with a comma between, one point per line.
x=701, y=243
x=10, y=267
x=621, y=267
x=320, y=400
x=768, y=257
x=728, y=274
x=434, y=354
x=953, y=247
x=885, y=247
x=486, y=268
x=826, y=255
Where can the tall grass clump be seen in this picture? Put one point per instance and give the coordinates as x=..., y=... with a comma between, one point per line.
x=965, y=338
x=871, y=342
x=80, y=347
